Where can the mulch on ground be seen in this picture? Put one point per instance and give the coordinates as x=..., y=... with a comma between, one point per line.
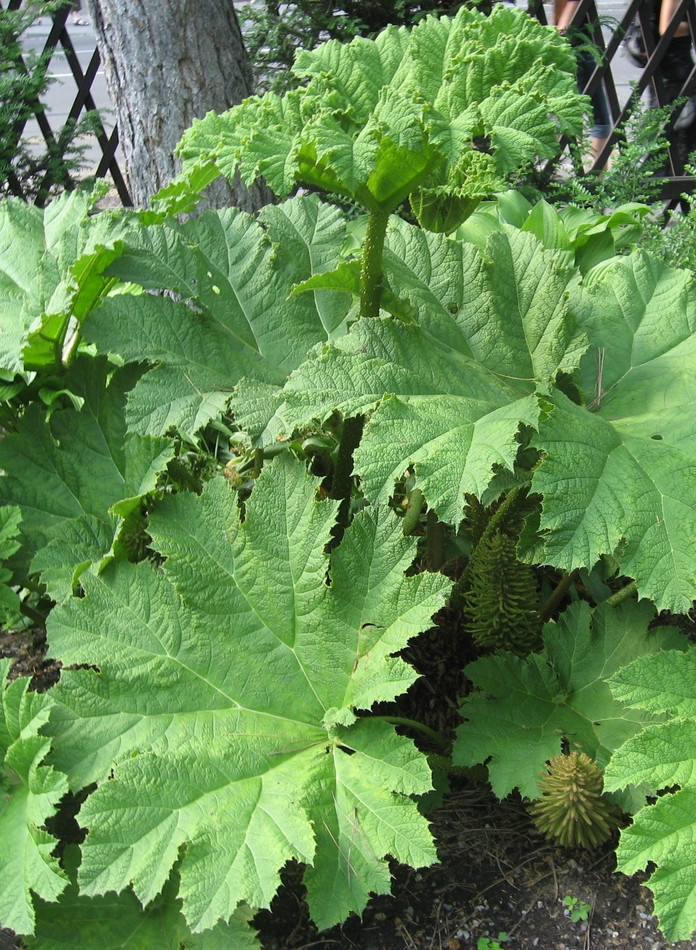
x=497, y=876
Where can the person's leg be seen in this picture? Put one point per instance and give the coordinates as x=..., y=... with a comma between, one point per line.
x=601, y=117
x=602, y=127
x=76, y=13
x=676, y=67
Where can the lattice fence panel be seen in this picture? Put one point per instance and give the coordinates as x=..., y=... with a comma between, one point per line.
x=650, y=79
x=82, y=101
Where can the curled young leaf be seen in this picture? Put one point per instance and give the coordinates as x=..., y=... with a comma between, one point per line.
x=379, y=120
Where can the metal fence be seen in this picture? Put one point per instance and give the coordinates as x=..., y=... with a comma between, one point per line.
x=652, y=79
x=82, y=102
x=608, y=45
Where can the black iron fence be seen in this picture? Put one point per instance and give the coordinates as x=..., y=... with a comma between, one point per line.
x=621, y=99
x=59, y=41
x=654, y=79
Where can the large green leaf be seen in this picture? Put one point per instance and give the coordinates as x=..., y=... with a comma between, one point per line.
x=640, y=317
x=51, y=264
x=248, y=750
x=446, y=395
x=225, y=314
x=524, y=709
x=619, y=479
x=445, y=113
x=662, y=833
x=580, y=234
x=29, y=792
x=10, y=519
x=117, y=921
x=66, y=473
x=507, y=305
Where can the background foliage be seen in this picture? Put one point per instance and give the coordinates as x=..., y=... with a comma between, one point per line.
x=274, y=32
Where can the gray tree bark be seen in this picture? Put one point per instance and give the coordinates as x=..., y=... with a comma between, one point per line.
x=167, y=62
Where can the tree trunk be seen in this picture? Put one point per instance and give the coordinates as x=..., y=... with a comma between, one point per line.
x=167, y=62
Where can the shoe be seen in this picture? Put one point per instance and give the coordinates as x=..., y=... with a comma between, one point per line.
x=687, y=115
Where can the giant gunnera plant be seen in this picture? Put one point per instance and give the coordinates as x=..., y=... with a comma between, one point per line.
x=210, y=430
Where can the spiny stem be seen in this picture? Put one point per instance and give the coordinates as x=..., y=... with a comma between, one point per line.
x=342, y=482
x=557, y=595
x=35, y=616
x=416, y=501
x=435, y=541
x=372, y=263
x=621, y=595
x=441, y=743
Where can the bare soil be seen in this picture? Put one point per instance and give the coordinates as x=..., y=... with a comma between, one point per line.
x=497, y=876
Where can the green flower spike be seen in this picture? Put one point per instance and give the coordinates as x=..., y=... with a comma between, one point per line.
x=502, y=600
x=572, y=808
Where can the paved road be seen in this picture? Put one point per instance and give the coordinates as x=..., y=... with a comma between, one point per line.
x=62, y=91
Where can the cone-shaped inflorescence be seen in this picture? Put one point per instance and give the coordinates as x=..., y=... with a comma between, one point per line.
x=572, y=809
x=502, y=601
x=497, y=593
